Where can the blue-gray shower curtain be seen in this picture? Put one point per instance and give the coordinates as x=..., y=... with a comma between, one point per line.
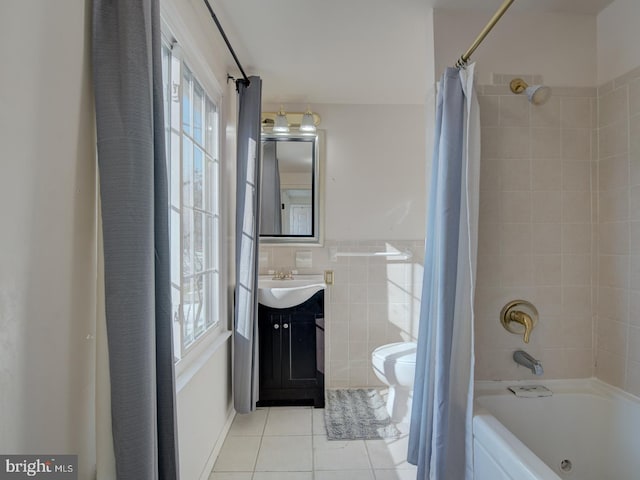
x=245, y=334
x=134, y=197
x=440, y=440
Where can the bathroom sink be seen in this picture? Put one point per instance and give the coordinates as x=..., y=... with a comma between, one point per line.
x=290, y=292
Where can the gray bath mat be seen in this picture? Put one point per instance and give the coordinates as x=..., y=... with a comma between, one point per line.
x=355, y=414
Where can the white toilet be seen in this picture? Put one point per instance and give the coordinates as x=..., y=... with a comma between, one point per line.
x=395, y=365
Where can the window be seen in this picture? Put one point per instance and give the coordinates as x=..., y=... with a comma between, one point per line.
x=192, y=145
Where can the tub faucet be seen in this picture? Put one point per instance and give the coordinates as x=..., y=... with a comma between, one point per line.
x=523, y=358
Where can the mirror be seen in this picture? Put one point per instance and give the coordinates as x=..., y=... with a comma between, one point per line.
x=290, y=189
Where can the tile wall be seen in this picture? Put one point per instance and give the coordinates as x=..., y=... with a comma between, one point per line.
x=536, y=228
x=373, y=301
x=618, y=195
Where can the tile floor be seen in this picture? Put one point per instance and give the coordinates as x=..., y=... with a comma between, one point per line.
x=290, y=443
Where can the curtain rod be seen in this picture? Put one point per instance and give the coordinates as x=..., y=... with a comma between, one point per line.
x=464, y=59
x=245, y=80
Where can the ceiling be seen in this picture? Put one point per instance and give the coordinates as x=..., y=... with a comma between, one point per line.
x=348, y=51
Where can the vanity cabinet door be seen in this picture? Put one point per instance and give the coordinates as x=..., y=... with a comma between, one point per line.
x=299, y=352
x=270, y=348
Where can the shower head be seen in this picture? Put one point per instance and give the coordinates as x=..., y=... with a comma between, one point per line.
x=537, y=94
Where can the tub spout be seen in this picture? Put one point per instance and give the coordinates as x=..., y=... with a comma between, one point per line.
x=523, y=358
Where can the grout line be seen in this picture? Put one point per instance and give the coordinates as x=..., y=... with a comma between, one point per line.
x=366, y=449
x=255, y=463
x=629, y=248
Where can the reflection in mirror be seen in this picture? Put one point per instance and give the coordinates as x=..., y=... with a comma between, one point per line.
x=289, y=192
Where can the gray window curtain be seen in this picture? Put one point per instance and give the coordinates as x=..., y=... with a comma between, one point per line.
x=245, y=335
x=271, y=203
x=133, y=189
x=440, y=439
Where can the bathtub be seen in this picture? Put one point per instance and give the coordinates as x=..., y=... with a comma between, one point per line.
x=587, y=430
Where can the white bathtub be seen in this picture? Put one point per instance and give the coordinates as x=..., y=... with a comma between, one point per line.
x=590, y=426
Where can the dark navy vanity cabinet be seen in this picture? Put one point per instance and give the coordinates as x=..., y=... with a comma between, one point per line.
x=291, y=342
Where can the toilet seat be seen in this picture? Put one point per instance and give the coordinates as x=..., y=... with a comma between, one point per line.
x=400, y=352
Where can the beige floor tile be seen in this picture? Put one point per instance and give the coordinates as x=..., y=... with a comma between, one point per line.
x=283, y=476
x=230, y=476
x=395, y=474
x=389, y=453
x=238, y=454
x=288, y=421
x=249, y=424
x=339, y=455
x=318, y=422
x=285, y=453
x=344, y=475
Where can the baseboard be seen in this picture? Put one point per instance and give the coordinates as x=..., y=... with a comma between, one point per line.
x=218, y=446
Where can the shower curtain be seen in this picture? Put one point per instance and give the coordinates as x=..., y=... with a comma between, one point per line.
x=245, y=332
x=127, y=81
x=440, y=440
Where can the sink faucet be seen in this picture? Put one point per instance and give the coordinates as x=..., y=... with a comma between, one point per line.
x=282, y=275
x=523, y=358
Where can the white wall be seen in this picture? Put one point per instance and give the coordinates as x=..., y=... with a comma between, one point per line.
x=618, y=39
x=48, y=240
x=375, y=172
x=203, y=411
x=559, y=46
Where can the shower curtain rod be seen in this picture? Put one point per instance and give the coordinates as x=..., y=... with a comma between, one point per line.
x=245, y=80
x=464, y=59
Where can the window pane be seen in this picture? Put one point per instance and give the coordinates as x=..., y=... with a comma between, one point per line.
x=211, y=128
x=175, y=314
x=187, y=172
x=211, y=241
x=187, y=243
x=198, y=178
x=215, y=260
x=198, y=100
x=174, y=171
x=198, y=302
x=198, y=242
x=174, y=228
x=175, y=92
x=186, y=101
x=212, y=286
x=214, y=175
x=188, y=312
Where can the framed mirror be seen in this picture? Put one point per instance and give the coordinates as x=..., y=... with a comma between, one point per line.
x=290, y=209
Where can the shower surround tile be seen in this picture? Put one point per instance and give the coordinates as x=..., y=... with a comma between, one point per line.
x=616, y=324
x=535, y=234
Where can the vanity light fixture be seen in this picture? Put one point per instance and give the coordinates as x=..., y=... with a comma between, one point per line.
x=307, y=124
x=281, y=124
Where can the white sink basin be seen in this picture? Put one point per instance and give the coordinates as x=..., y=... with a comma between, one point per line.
x=288, y=293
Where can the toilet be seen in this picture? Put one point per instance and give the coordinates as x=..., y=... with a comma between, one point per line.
x=395, y=365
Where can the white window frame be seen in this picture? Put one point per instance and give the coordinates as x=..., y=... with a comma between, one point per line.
x=186, y=355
